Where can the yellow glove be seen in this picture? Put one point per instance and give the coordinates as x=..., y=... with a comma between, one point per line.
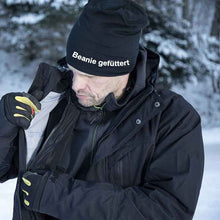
x=20, y=108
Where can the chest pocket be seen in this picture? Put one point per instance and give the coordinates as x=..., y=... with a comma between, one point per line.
x=119, y=170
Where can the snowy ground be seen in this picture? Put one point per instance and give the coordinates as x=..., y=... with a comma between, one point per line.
x=209, y=201
x=11, y=79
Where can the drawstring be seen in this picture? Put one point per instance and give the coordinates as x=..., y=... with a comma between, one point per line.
x=100, y=107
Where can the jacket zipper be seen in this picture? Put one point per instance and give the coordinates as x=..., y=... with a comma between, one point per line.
x=100, y=115
x=93, y=142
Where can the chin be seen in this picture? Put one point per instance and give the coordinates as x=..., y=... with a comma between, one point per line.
x=89, y=103
x=85, y=104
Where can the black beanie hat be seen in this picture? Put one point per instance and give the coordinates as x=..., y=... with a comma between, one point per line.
x=105, y=39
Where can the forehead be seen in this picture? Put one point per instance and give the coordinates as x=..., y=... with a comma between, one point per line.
x=77, y=71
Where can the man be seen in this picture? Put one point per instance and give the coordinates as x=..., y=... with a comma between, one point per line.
x=93, y=138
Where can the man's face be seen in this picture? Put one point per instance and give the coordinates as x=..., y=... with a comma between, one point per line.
x=92, y=90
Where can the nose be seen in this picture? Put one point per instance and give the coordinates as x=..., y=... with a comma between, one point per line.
x=79, y=83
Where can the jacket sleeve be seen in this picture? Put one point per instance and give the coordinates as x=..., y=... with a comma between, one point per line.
x=8, y=148
x=171, y=185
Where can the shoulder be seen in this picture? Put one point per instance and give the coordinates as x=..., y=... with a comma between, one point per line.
x=177, y=112
x=176, y=103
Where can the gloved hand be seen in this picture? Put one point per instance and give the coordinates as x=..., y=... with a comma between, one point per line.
x=32, y=187
x=20, y=108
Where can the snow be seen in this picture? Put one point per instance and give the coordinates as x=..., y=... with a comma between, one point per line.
x=58, y=3
x=168, y=47
x=6, y=199
x=29, y=18
x=13, y=2
x=212, y=136
x=154, y=36
x=55, y=3
x=209, y=201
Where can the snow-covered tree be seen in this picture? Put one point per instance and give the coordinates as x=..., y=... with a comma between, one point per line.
x=185, y=50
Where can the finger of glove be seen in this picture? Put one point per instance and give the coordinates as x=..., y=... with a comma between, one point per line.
x=26, y=186
x=25, y=100
x=22, y=119
x=24, y=107
x=26, y=191
x=18, y=113
x=26, y=197
x=11, y=103
x=29, y=186
x=28, y=179
x=29, y=100
x=34, y=100
x=33, y=177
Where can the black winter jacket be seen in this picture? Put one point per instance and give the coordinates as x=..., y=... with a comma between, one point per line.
x=147, y=162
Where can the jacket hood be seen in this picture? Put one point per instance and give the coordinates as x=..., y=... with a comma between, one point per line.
x=143, y=76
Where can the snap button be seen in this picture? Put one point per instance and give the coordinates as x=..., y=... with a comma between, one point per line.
x=138, y=121
x=156, y=104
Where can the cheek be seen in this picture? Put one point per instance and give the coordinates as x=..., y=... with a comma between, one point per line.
x=99, y=89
